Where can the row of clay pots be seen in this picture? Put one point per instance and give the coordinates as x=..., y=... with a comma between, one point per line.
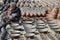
x=55, y=13
x=39, y=3
x=32, y=15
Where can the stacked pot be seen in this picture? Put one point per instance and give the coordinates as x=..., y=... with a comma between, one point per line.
x=41, y=26
x=30, y=28
x=53, y=25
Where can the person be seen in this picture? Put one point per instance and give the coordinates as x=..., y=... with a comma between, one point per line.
x=15, y=12
x=13, y=15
